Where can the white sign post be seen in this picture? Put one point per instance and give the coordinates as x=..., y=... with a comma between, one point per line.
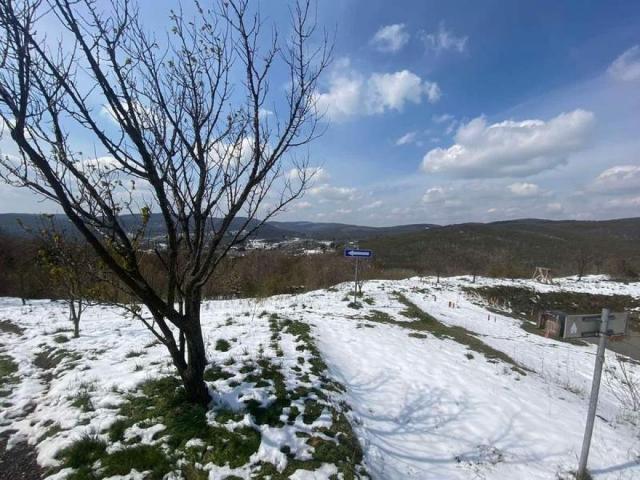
x=357, y=253
x=595, y=389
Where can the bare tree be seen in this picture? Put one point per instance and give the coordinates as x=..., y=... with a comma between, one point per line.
x=184, y=125
x=583, y=259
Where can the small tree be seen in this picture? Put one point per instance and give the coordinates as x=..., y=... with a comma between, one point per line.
x=583, y=259
x=70, y=266
x=184, y=125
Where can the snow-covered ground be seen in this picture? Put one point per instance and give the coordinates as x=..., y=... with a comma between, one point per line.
x=423, y=407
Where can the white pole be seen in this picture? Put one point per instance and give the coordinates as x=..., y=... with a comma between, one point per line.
x=355, y=286
x=595, y=389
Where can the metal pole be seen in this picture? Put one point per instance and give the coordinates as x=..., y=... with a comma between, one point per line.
x=595, y=389
x=355, y=286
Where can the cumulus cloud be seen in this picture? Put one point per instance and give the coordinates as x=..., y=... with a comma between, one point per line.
x=391, y=38
x=443, y=40
x=627, y=66
x=618, y=178
x=391, y=91
x=510, y=148
x=344, y=97
x=351, y=94
x=524, y=189
x=435, y=194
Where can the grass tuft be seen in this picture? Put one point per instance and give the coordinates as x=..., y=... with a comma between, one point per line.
x=61, y=338
x=8, y=368
x=222, y=345
x=83, y=452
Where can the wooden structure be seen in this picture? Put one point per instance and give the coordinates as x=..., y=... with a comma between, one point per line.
x=543, y=275
x=552, y=322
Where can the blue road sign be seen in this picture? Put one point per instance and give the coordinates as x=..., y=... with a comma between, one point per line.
x=357, y=253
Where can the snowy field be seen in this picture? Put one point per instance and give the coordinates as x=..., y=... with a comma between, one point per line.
x=423, y=406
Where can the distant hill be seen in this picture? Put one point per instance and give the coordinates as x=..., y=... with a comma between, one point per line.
x=514, y=247
x=506, y=248
x=9, y=225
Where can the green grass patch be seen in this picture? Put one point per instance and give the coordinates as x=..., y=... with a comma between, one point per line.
x=222, y=345
x=61, y=338
x=82, y=399
x=8, y=369
x=270, y=375
x=83, y=453
x=8, y=326
x=162, y=401
x=417, y=335
x=215, y=373
x=143, y=458
x=50, y=358
x=312, y=411
x=342, y=449
x=379, y=316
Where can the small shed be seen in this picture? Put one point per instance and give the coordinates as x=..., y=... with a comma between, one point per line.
x=552, y=322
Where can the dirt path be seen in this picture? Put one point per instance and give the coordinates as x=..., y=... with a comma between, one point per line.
x=19, y=463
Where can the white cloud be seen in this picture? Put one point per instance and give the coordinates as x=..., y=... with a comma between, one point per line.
x=627, y=66
x=407, y=138
x=391, y=91
x=510, y=148
x=618, y=178
x=524, y=189
x=303, y=205
x=555, y=207
x=102, y=164
x=343, y=99
x=432, y=89
x=624, y=202
x=443, y=118
x=372, y=205
x=326, y=193
x=344, y=211
x=351, y=94
x=391, y=38
x=315, y=174
x=434, y=195
x=443, y=40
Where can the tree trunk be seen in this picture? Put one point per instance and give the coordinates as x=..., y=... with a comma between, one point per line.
x=74, y=316
x=192, y=370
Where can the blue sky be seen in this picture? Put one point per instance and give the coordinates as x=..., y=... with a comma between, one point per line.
x=444, y=112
